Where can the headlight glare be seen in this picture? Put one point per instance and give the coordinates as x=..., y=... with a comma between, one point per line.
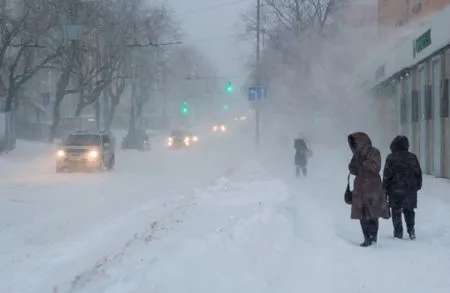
x=61, y=153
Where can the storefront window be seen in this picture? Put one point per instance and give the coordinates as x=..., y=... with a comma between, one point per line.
x=415, y=106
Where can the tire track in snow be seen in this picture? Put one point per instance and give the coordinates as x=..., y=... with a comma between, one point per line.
x=164, y=224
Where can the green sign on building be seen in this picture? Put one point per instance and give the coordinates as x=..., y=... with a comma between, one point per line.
x=422, y=42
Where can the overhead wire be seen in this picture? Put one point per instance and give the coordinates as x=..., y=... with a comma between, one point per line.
x=218, y=37
x=211, y=7
x=206, y=8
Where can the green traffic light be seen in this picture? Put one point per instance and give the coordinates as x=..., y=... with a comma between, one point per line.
x=229, y=88
x=226, y=107
x=185, y=108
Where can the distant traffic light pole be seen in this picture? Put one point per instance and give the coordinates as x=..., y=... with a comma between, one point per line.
x=258, y=79
x=185, y=108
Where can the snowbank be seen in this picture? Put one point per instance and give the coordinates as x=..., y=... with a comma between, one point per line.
x=255, y=229
x=250, y=232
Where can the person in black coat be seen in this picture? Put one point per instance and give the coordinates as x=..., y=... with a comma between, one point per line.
x=402, y=179
x=301, y=156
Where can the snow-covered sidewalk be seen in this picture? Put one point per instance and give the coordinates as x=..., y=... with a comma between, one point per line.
x=248, y=232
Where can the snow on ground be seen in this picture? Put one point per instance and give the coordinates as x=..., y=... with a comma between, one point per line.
x=252, y=232
x=54, y=225
x=404, y=265
x=256, y=228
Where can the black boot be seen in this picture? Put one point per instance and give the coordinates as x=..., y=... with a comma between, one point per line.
x=374, y=231
x=367, y=242
x=412, y=234
x=410, y=221
x=365, y=226
x=305, y=171
x=398, y=234
x=397, y=223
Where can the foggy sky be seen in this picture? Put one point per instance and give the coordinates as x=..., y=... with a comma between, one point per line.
x=214, y=30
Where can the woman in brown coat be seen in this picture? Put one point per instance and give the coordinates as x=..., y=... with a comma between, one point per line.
x=368, y=201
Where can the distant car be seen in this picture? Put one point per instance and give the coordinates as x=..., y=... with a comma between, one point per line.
x=193, y=137
x=219, y=127
x=86, y=151
x=139, y=141
x=240, y=118
x=179, y=139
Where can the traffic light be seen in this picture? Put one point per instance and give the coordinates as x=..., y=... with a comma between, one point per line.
x=185, y=108
x=229, y=87
x=226, y=107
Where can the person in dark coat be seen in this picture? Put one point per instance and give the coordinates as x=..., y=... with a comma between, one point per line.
x=368, y=200
x=402, y=178
x=301, y=156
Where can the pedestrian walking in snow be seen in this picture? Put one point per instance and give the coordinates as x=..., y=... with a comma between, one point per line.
x=368, y=199
x=402, y=179
x=302, y=152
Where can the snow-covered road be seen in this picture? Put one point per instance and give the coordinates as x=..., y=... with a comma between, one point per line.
x=219, y=218
x=53, y=225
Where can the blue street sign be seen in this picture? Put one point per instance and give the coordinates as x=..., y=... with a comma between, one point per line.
x=72, y=32
x=45, y=99
x=256, y=93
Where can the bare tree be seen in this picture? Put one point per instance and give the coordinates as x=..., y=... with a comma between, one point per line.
x=157, y=28
x=89, y=61
x=113, y=42
x=112, y=99
x=24, y=30
x=310, y=58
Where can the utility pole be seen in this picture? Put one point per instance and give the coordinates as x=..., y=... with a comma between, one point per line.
x=258, y=76
x=165, y=95
x=98, y=65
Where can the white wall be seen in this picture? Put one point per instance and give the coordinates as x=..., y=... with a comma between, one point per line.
x=401, y=54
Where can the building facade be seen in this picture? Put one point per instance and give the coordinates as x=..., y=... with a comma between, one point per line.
x=397, y=13
x=416, y=76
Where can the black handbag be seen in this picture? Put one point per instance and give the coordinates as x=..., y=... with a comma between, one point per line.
x=348, y=193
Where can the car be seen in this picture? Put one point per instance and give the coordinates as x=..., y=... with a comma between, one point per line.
x=86, y=150
x=240, y=118
x=193, y=137
x=219, y=127
x=139, y=141
x=179, y=139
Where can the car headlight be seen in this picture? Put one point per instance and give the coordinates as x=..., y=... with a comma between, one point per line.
x=60, y=154
x=195, y=138
x=223, y=128
x=93, y=154
x=215, y=128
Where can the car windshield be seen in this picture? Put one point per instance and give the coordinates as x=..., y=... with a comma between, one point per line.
x=83, y=140
x=177, y=133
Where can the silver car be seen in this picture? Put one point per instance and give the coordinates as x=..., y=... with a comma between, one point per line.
x=94, y=151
